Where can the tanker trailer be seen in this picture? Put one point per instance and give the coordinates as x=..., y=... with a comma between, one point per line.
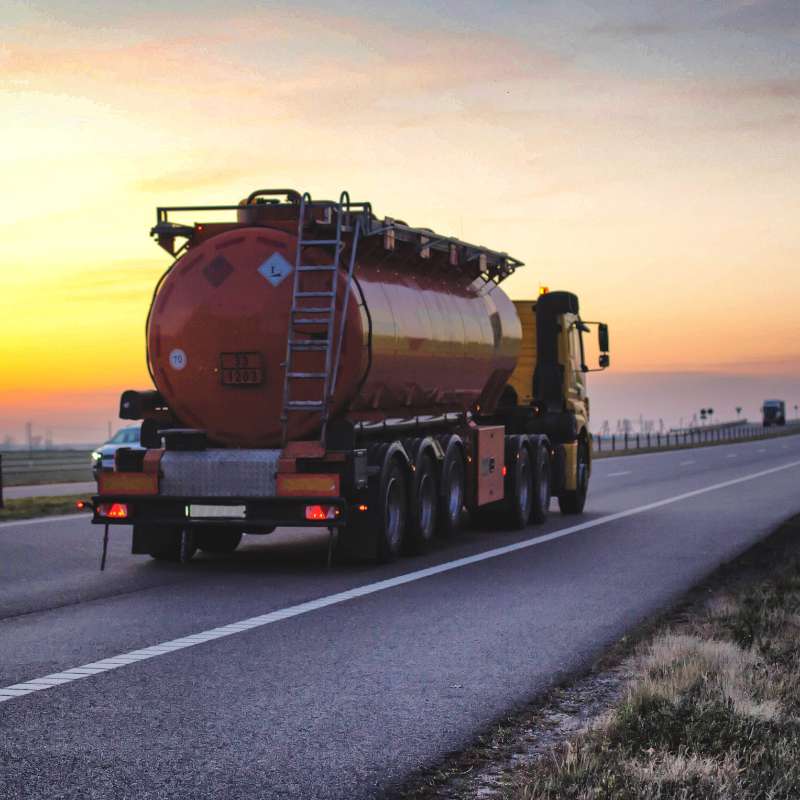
x=314, y=365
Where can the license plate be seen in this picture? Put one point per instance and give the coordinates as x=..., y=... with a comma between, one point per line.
x=225, y=512
x=241, y=369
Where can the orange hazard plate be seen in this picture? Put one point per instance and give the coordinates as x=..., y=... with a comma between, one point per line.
x=300, y=485
x=127, y=483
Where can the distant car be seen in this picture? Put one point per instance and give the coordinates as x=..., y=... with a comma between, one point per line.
x=103, y=457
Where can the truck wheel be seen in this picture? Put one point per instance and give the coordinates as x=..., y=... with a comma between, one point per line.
x=167, y=545
x=520, y=499
x=453, y=491
x=540, y=502
x=423, y=505
x=392, y=512
x=573, y=500
x=216, y=540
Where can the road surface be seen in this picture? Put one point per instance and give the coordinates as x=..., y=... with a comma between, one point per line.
x=341, y=683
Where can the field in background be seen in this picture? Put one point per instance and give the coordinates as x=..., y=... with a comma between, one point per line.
x=22, y=468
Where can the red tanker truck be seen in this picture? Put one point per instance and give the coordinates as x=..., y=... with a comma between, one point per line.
x=314, y=365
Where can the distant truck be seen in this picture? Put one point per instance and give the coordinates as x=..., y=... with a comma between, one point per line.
x=774, y=412
x=317, y=366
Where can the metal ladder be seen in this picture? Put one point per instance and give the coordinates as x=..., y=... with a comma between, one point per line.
x=321, y=312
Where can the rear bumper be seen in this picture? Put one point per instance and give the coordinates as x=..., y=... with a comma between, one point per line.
x=260, y=514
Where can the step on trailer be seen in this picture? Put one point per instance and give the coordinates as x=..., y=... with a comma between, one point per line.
x=315, y=366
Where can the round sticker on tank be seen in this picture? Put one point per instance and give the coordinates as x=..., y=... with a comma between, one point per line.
x=177, y=359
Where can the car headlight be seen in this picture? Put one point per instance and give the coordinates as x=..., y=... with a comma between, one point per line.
x=96, y=457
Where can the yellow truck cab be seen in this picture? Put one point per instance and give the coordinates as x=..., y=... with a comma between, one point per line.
x=551, y=377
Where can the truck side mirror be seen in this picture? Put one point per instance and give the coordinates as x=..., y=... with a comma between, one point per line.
x=605, y=360
x=602, y=336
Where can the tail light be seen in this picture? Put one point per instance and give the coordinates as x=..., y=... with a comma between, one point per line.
x=113, y=510
x=319, y=513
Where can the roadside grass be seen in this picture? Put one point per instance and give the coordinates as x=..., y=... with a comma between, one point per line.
x=707, y=706
x=713, y=710
x=27, y=507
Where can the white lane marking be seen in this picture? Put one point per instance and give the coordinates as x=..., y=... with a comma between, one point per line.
x=617, y=474
x=732, y=455
x=40, y=520
x=115, y=662
x=762, y=449
x=686, y=463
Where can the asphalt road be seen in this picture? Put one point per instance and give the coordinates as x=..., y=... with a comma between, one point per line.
x=347, y=696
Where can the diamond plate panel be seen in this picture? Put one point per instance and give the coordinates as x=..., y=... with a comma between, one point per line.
x=219, y=473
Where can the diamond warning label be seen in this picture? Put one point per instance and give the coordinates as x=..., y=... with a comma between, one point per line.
x=275, y=269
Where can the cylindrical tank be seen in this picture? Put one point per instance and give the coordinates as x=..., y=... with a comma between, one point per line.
x=421, y=336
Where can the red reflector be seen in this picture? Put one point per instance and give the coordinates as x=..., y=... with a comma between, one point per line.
x=318, y=513
x=80, y=505
x=505, y=471
x=113, y=510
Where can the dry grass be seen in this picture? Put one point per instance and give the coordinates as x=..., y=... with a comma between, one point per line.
x=713, y=712
x=27, y=507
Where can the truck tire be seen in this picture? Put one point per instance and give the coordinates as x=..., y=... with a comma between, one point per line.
x=572, y=501
x=540, y=501
x=377, y=534
x=452, y=491
x=216, y=540
x=423, y=505
x=167, y=544
x=392, y=512
x=521, y=486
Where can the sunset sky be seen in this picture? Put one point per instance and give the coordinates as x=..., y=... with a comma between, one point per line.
x=642, y=154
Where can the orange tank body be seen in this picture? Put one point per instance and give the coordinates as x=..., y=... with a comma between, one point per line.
x=421, y=335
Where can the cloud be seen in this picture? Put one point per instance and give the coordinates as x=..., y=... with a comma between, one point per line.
x=232, y=73
x=778, y=89
x=748, y=16
x=764, y=16
x=636, y=30
x=198, y=177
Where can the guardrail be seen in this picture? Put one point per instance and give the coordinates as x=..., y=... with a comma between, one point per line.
x=19, y=467
x=621, y=442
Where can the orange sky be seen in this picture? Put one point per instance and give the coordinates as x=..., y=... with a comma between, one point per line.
x=648, y=162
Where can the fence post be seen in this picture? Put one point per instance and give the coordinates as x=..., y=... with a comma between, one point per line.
x=613, y=442
x=626, y=441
